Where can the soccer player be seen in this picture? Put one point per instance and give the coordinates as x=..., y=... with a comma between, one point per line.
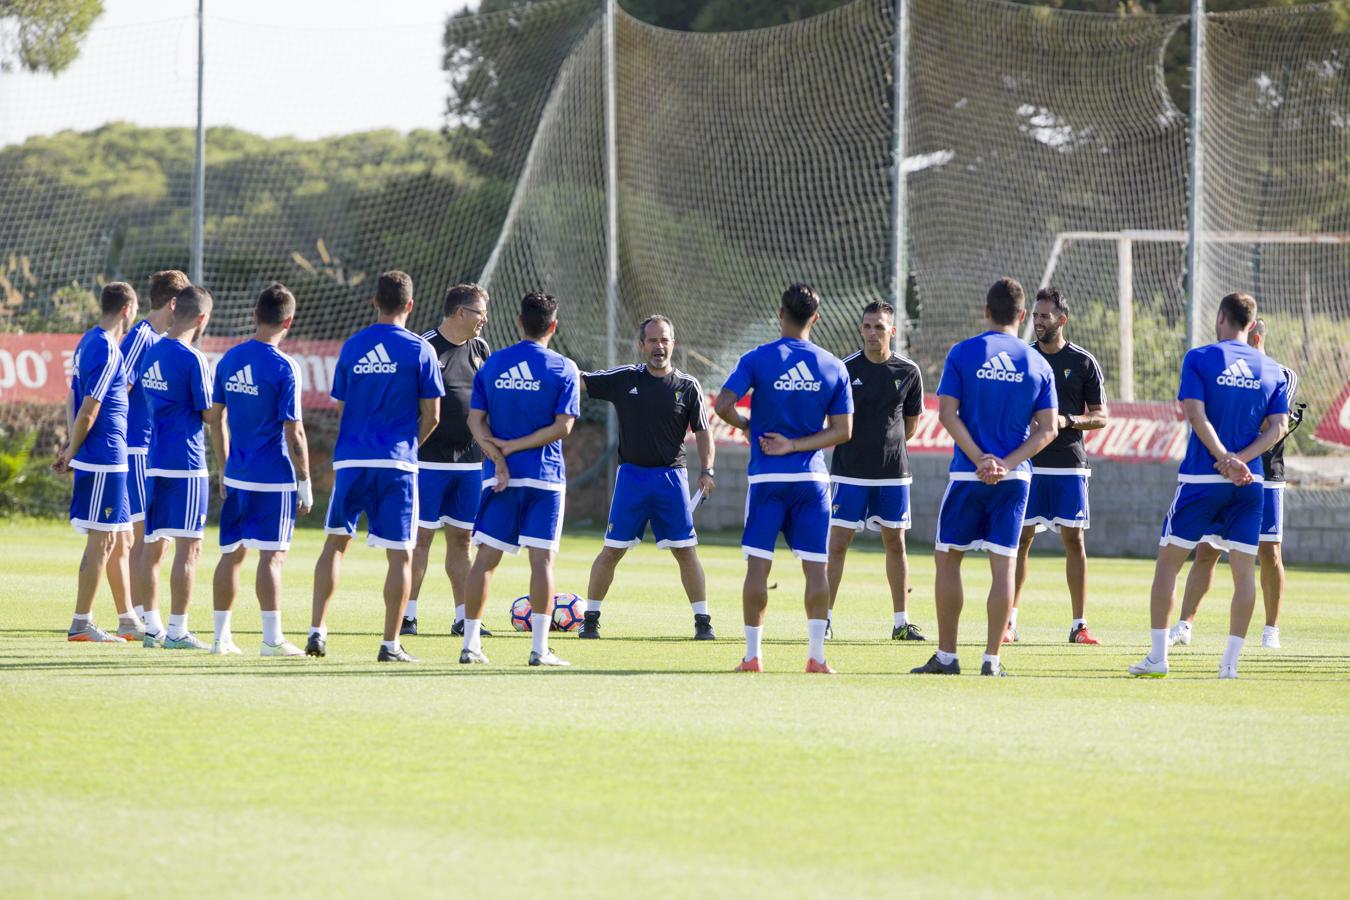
x=388, y=388
x=450, y=463
x=657, y=406
x=164, y=286
x=869, y=474
x=1234, y=397
x=1201, y=576
x=526, y=399
x=801, y=404
x=1058, y=500
x=265, y=478
x=997, y=400
x=176, y=380
x=96, y=449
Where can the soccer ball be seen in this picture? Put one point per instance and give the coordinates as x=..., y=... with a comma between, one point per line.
x=568, y=612
x=520, y=614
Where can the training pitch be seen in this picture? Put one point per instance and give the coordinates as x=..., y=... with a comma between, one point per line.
x=649, y=768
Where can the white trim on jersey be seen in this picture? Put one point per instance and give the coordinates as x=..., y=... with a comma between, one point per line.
x=401, y=465
x=205, y=368
x=423, y=465
x=138, y=451
x=177, y=473
x=1213, y=479
x=97, y=467
x=260, y=486
x=1060, y=470
x=871, y=482
x=769, y=477
x=299, y=384
x=112, y=364
x=527, y=482
x=1016, y=475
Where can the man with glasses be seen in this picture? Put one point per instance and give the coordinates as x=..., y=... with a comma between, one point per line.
x=450, y=463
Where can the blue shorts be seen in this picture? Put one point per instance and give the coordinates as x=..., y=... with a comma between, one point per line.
x=1272, y=516
x=858, y=503
x=520, y=517
x=1058, y=499
x=388, y=497
x=176, y=507
x=448, y=496
x=136, y=485
x=979, y=516
x=799, y=510
x=258, y=520
x=656, y=495
x=99, y=502
x=1219, y=513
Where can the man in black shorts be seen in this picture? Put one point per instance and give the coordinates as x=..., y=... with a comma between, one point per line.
x=450, y=463
x=657, y=406
x=1059, y=473
x=869, y=474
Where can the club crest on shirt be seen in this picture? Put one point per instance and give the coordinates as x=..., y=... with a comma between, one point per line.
x=1066, y=373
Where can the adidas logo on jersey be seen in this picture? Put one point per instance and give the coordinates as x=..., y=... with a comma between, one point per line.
x=376, y=362
x=634, y=390
x=797, y=378
x=857, y=381
x=241, y=382
x=999, y=367
x=517, y=378
x=153, y=379
x=1240, y=375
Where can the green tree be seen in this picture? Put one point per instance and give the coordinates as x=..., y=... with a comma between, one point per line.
x=44, y=35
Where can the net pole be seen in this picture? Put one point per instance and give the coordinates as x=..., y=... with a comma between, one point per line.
x=1125, y=299
x=611, y=214
x=1194, y=228
x=199, y=163
x=899, y=274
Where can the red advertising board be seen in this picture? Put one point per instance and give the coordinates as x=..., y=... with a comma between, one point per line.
x=1335, y=425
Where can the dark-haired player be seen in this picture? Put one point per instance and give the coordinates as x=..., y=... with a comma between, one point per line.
x=1234, y=397
x=801, y=404
x=388, y=388
x=869, y=474
x=449, y=462
x=1059, y=474
x=997, y=400
x=164, y=286
x=525, y=400
x=96, y=449
x=657, y=406
x=1201, y=576
x=266, y=473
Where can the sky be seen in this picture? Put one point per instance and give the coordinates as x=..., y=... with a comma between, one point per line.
x=307, y=68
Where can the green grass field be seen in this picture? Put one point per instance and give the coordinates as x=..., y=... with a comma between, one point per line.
x=649, y=768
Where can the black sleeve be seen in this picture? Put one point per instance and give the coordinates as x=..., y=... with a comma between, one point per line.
x=914, y=399
x=604, y=385
x=698, y=407
x=1094, y=387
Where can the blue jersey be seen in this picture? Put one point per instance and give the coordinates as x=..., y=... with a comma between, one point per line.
x=796, y=385
x=523, y=388
x=97, y=372
x=1239, y=386
x=139, y=339
x=176, y=380
x=1000, y=383
x=383, y=372
x=260, y=389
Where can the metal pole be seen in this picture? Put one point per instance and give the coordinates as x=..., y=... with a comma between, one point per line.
x=611, y=212
x=1195, y=226
x=199, y=169
x=1125, y=297
x=900, y=270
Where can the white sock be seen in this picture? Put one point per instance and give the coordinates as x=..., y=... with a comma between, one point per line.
x=391, y=646
x=271, y=622
x=178, y=626
x=82, y=618
x=992, y=659
x=700, y=607
x=473, y=629
x=815, y=634
x=1230, y=654
x=593, y=605
x=900, y=619
x=459, y=614
x=1158, y=636
x=1077, y=622
x=1012, y=618
x=539, y=623
x=320, y=630
x=829, y=615
x=752, y=633
x=410, y=611
x=139, y=611
x=153, y=623
x=222, y=620
x=946, y=658
x=127, y=617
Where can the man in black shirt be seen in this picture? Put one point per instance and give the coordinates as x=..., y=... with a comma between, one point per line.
x=1059, y=496
x=1272, y=531
x=449, y=462
x=657, y=405
x=869, y=473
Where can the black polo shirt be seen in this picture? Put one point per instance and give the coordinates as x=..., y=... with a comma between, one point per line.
x=654, y=413
x=884, y=394
x=1079, y=383
x=452, y=442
